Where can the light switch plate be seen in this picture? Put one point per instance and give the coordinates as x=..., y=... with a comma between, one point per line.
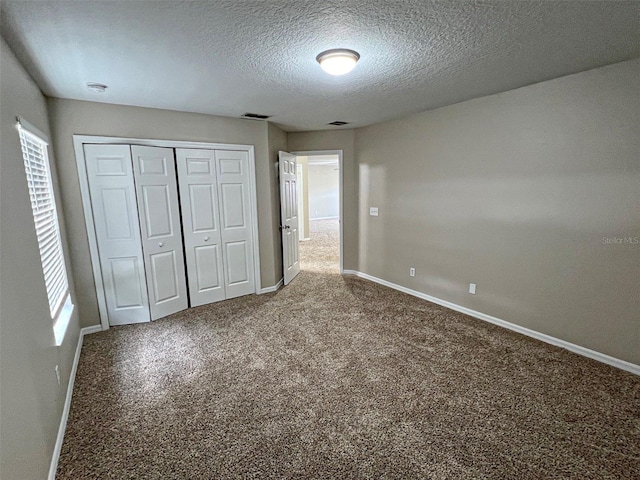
x=472, y=288
x=373, y=211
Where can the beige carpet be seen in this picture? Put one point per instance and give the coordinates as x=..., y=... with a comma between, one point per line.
x=337, y=377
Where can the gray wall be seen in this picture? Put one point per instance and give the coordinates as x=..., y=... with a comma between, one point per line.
x=31, y=400
x=338, y=140
x=324, y=182
x=515, y=192
x=69, y=117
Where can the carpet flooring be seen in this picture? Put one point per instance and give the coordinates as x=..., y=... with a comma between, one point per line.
x=338, y=377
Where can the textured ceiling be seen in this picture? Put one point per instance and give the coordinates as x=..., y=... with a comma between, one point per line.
x=232, y=57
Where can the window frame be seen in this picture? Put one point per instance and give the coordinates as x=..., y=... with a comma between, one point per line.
x=60, y=304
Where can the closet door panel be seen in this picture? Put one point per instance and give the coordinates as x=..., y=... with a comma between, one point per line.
x=164, y=276
x=115, y=217
x=232, y=201
x=201, y=223
x=236, y=262
x=157, y=209
x=232, y=168
x=204, y=215
x=157, y=193
x=209, y=276
x=128, y=292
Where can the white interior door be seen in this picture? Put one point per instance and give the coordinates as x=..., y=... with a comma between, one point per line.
x=289, y=216
x=201, y=224
x=115, y=216
x=157, y=192
x=232, y=171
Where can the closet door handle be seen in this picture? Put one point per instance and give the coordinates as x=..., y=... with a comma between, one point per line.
x=161, y=244
x=206, y=239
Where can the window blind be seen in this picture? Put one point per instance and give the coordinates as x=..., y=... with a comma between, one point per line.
x=36, y=164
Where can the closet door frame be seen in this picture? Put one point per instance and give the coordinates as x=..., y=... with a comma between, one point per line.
x=78, y=143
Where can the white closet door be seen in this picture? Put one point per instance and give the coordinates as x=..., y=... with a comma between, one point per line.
x=157, y=192
x=201, y=224
x=232, y=169
x=115, y=216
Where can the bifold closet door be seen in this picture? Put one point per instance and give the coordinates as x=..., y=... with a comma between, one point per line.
x=201, y=224
x=157, y=193
x=115, y=216
x=216, y=213
x=232, y=171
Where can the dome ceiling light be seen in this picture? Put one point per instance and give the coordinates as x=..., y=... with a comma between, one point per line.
x=338, y=61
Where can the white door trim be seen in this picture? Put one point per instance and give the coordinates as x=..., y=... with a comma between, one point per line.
x=340, y=194
x=80, y=140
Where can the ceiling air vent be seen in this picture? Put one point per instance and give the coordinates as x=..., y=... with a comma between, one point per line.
x=255, y=116
x=338, y=123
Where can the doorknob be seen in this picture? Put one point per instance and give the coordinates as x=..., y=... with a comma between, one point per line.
x=161, y=244
x=288, y=227
x=206, y=239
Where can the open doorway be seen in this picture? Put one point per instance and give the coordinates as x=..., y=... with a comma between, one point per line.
x=319, y=184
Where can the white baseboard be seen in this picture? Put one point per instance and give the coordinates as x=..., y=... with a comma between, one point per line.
x=67, y=402
x=273, y=288
x=601, y=357
x=324, y=218
x=89, y=330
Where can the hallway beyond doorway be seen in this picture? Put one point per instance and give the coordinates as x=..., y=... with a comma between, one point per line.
x=322, y=252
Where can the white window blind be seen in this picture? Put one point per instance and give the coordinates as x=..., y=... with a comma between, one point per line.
x=36, y=165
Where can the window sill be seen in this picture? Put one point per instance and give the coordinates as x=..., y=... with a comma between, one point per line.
x=62, y=321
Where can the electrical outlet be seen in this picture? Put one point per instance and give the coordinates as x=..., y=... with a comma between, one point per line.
x=412, y=272
x=58, y=373
x=472, y=288
x=373, y=211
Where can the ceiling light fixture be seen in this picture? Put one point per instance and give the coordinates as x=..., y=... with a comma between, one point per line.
x=338, y=61
x=96, y=87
